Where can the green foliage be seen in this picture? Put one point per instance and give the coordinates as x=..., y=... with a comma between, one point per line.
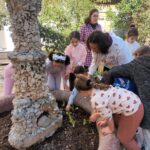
x=142, y=20
x=72, y=121
x=106, y=1
x=58, y=18
x=66, y=15
x=3, y=14
x=131, y=11
x=52, y=40
x=123, y=16
x=86, y=121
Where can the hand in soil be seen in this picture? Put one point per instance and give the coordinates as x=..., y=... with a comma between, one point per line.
x=94, y=117
x=68, y=108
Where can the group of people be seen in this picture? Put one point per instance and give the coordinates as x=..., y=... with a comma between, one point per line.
x=114, y=109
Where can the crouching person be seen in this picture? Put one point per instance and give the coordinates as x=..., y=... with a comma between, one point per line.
x=106, y=101
x=139, y=71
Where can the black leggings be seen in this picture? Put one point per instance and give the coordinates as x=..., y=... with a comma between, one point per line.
x=72, y=78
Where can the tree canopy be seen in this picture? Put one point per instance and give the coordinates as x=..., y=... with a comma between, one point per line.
x=132, y=11
x=3, y=14
x=60, y=18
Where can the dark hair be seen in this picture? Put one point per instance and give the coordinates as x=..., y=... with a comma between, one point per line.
x=82, y=83
x=142, y=51
x=67, y=59
x=103, y=40
x=74, y=34
x=79, y=70
x=88, y=19
x=133, y=31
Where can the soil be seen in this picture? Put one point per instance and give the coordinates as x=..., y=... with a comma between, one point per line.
x=81, y=137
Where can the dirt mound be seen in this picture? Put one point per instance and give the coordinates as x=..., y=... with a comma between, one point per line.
x=81, y=137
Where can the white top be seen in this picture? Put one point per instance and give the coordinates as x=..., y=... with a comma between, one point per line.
x=114, y=100
x=132, y=46
x=118, y=55
x=118, y=40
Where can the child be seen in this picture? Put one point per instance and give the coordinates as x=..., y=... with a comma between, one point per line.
x=106, y=101
x=78, y=70
x=77, y=53
x=74, y=93
x=55, y=68
x=8, y=80
x=138, y=71
x=131, y=38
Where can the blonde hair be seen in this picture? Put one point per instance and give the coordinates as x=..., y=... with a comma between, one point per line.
x=82, y=83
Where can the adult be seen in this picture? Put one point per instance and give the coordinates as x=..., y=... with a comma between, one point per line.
x=105, y=51
x=90, y=25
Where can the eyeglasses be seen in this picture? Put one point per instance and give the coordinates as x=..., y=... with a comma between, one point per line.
x=95, y=15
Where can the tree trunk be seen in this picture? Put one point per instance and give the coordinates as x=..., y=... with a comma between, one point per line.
x=109, y=142
x=35, y=115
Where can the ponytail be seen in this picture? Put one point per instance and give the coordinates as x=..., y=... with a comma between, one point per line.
x=100, y=86
x=133, y=31
x=82, y=83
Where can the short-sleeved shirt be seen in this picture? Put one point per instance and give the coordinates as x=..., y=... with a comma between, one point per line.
x=114, y=100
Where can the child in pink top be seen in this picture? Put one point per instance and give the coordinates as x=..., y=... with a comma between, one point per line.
x=106, y=101
x=8, y=80
x=77, y=53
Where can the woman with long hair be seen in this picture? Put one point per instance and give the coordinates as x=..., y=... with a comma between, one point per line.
x=90, y=25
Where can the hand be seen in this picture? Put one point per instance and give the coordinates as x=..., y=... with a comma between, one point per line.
x=66, y=88
x=102, y=123
x=105, y=131
x=66, y=77
x=89, y=76
x=94, y=117
x=68, y=108
x=106, y=126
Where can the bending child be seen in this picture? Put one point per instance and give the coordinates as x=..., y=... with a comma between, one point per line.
x=106, y=101
x=138, y=71
x=77, y=71
x=74, y=92
x=55, y=69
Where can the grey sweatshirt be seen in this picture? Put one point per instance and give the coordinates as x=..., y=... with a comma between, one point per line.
x=138, y=71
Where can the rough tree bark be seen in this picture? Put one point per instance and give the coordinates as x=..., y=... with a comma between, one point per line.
x=36, y=114
x=109, y=142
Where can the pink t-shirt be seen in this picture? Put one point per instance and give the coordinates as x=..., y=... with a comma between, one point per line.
x=114, y=100
x=77, y=56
